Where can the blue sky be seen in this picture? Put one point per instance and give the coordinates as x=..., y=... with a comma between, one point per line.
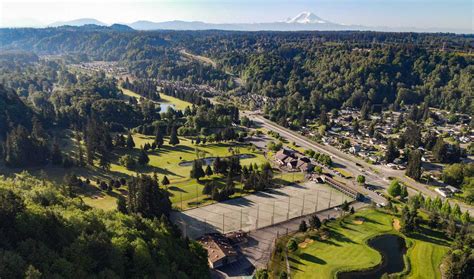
x=392, y=13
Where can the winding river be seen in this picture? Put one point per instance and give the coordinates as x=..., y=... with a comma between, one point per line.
x=392, y=247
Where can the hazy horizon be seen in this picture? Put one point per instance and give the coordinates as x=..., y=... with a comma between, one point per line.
x=423, y=14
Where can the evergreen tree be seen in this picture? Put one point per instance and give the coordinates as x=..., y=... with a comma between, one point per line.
x=174, y=140
x=197, y=172
x=465, y=217
x=314, y=222
x=130, y=142
x=412, y=134
x=56, y=155
x=303, y=226
x=364, y=111
x=159, y=141
x=323, y=117
x=451, y=229
x=128, y=162
x=209, y=170
x=394, y=189
x=392, y=152
x=146, y=198
x=104, y=161
x=143, y=158
x=440, y=150
x=446, y=209
x=456, y=212
x=403, y=192
x=208, y=188
x=414, y=165
x=23, y=150
x=38, y=131
x=165, y=181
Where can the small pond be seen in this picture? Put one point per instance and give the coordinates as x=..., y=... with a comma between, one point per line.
x=164, y=107
x=209, y=160
x=392, y=247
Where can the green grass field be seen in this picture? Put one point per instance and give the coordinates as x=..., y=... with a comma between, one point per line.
x=346, y=249
x=165, y=99
x=166, y=161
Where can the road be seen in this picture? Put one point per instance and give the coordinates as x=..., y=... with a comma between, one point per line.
x=376, y=175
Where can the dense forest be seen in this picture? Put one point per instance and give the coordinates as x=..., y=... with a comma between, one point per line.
x=46, y=233
x=307, y=70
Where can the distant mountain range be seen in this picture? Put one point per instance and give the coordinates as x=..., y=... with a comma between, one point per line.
x=77, y=22
x=305, y=21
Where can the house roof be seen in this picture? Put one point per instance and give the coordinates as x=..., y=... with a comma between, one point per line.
x=281, y=157
x=217, y=246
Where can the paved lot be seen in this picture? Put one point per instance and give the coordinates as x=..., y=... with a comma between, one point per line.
x=258, y=210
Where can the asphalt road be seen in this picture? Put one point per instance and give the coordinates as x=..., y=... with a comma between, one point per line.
x=376, y=175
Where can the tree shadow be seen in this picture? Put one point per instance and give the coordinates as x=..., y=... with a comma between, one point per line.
x=431, y=236
x=329, y=242
x=294, y=260
x=313, y=259
x=263, y=194
x=368, y=220
x=277, y=192
x=340, y=237
x=176, y=189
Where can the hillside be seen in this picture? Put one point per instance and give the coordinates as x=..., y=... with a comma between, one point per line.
x=14, y=112
x=47, y=233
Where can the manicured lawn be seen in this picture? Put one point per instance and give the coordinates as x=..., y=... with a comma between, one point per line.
x=166, y=161
x=165, y=99
x=346, y=249
x=178, y=104
x=130, y=93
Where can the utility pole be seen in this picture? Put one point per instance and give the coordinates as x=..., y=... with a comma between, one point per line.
x=273, y=213
x=330, y=196
x=288, y=212
x=317, y=200
x=302, y=208
x=197, y=196
x=241, y=219
x=258, y=210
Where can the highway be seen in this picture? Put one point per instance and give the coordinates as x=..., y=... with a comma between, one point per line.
x=376, y=175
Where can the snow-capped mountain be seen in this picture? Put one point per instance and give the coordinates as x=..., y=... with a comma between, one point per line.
x=306, y=18
x=305, y=21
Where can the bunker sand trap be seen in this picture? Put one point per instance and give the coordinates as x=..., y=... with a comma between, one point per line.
x=359, y=221
x=305, y=243
x=396, y=224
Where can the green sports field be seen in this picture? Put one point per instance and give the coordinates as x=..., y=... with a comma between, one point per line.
x=346, y=249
